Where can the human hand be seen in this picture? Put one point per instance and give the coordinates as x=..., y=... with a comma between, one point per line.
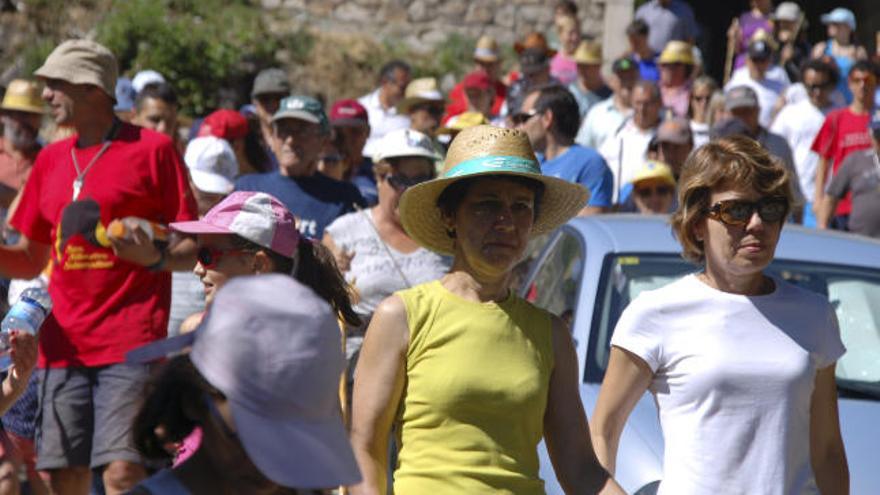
x=23, y=351
x=138, y=249
x=343, y=259
x=734, y=32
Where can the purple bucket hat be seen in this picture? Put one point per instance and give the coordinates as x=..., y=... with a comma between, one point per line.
x=256, y=216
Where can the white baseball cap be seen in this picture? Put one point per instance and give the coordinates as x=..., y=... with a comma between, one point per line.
x=405, y=142
x=144, y=78
x=212, y=164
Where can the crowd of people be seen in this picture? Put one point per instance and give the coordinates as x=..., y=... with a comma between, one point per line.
x=335, y=274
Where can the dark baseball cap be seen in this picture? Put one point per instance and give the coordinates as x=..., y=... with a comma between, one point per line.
x=271, y=81
x=623, y=64
x=740, y=97
x=760, y=50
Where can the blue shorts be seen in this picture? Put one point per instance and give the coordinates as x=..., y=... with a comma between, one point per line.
x=85, y=415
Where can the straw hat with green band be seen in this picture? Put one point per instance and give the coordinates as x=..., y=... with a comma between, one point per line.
x=479, y=151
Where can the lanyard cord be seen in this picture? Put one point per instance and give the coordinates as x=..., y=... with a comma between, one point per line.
x=81, y=173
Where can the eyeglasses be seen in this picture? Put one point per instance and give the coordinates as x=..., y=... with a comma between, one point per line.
x=521, y=118
x=209, y=257
x=815, y=87
x=739, y=212
x=402, y=182
x=647, y=192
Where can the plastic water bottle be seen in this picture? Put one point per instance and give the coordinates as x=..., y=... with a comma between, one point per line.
x=27, y=315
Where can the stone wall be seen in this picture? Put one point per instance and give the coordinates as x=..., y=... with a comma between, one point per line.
x=425, y=23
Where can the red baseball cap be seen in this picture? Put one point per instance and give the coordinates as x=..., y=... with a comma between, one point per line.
x=348, y=113
x=477, y=79
x=225, y=124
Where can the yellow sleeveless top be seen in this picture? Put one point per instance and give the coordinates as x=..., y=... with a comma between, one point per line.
x=472, y=410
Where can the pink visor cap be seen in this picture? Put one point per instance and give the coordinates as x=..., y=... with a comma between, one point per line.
x=256, y=216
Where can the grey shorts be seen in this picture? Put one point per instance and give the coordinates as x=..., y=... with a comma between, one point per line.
x=85, y=415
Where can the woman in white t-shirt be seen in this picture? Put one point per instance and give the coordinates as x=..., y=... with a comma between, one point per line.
x=741, y=364
x=371, y=247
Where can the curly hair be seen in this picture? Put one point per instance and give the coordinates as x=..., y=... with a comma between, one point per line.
x=734, y=162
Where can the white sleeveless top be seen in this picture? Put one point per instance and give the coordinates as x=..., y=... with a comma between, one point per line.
x=373, y=273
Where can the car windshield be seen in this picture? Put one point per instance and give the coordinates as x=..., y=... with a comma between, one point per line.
x=853, y=291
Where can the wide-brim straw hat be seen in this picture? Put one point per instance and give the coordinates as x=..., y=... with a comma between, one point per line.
x=480, y=151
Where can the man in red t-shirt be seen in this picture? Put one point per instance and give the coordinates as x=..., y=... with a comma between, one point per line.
x=844, y=131
x=106, y=300
x=488, y=60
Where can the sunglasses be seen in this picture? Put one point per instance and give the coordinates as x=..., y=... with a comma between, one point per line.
x=815, y=87
x=209, y=257
x=402, y=182
x=647, y=192
x=521, y=118
x=739, y=212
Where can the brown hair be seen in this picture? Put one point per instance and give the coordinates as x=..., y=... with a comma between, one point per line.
x=734, y=162
x=316, y=268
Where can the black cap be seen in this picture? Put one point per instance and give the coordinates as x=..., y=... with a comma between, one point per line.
x=760, y=50
x=533, y=60
x=623, y=64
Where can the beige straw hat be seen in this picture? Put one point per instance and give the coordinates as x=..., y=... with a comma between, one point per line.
x=486, y=150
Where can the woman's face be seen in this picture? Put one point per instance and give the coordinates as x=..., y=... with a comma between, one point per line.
x=405, y=172
x=737, y=250
x=700, y=97
x=221, y=262
x=492, y=225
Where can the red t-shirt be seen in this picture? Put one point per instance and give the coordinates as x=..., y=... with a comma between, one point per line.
x=458, y=103
x=103, y=306
x=842, y=133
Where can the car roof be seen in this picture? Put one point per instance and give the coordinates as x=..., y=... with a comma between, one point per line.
x=621, y=232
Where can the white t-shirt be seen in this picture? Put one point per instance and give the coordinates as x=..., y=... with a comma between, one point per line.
x=372, y=273
x=733, y=380
x=603, y=120
x=767, y=90
x=799, y=124
x=624, y=153
x=382, y=121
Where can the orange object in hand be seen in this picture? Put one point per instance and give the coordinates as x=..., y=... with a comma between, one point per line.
x=122, y=228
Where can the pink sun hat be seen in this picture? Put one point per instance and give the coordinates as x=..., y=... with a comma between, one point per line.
x=256, y=216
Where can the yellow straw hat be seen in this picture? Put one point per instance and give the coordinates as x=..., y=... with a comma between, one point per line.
x=486, y=49
x=462, y=121
x=23, y=96
x=479, y=151
x=677, y=52
x=422, y=90
x=588, y=52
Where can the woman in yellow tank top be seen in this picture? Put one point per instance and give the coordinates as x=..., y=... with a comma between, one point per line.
x=471, y=376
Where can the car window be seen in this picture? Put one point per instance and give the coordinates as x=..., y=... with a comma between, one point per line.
x=854, y=292
x=555, y=286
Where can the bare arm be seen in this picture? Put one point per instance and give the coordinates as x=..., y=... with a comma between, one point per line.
x=180, y=256
x=826, y=211
x=826, y=445
x=378, y=386
x=23, y=351
x=821, y=174
x=626, y=380
x=565, y=425
x=593, y=210
x=24, y=260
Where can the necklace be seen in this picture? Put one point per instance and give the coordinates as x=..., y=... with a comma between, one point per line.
x=81, y=173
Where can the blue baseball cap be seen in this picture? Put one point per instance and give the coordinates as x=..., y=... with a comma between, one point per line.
x=840, y=15
x=125, y=95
